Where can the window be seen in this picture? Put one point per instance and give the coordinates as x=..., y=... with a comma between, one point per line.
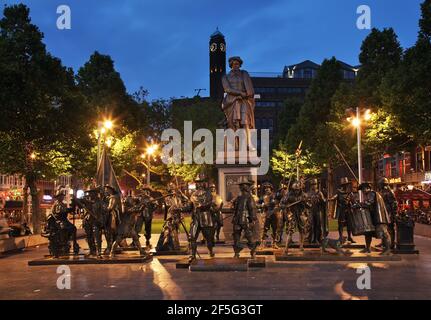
x=393, y=167
x=419, y=160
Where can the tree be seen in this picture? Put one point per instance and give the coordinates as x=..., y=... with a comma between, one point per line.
x=43, y=113
x=311, y=126
x=287, y=117
x=106, y=93
x=284, y=164
x=406, y=90
x=425, y=21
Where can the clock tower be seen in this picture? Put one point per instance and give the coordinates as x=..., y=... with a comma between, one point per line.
x=217, y=49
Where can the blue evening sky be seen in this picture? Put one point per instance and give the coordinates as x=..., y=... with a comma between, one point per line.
x=162, y=45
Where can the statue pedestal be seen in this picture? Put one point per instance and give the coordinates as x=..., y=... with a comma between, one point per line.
x=228, y=177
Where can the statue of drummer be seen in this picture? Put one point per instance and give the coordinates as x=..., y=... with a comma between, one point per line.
x=344, y=199
x=391, y=206
x=202, y=218
x=145, y=217
x=216, y=207
x=380, y=217
x=319, y=219
x=272, y=214
x=244, y=219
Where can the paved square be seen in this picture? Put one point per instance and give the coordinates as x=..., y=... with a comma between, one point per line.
x=159, y=279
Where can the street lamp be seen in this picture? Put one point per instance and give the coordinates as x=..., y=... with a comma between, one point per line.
x=149, y=152
x=357, y=123
x=103, y=127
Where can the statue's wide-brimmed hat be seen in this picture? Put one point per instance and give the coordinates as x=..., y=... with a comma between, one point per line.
x=235, y=58
x=344, y=181
x=314, y=182
x=268, y=184
x=212, y=185
x=364, y=185
x=107, y=186
x=245, y=181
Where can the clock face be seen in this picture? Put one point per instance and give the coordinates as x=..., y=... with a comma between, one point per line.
x=222, y=47
x=213, y=47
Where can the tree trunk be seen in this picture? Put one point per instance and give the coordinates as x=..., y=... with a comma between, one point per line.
x=330, y=186
x=25, y=208
x=35, y=206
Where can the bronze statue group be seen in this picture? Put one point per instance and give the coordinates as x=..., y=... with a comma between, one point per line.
x=273, y=215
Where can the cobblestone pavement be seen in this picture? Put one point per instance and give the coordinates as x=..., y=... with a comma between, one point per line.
x=159, y=279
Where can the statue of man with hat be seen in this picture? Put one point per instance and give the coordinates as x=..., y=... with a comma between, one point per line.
x=145, y=217
x=244, y=219
x=391, y=205
x=375, y=203
x=272, y=214
x=216, y=208
x=202, y=218
x=239, y=103
x=344, y=199
x=319, y=219
x=295, y=205
x=59, y=229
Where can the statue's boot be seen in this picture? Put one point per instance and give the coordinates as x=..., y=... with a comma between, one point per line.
x=211, y=251
x=366, y=250
x=148, y=244
x=236, y=255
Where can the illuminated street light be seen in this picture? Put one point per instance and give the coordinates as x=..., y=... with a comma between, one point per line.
x=108, y=124
x=149, y=152
x=357, y=123
x=33, y=156
x=103, y=127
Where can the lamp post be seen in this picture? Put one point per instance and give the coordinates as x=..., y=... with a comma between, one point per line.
x=102, y=128
x=357, y=123
x=149, y=152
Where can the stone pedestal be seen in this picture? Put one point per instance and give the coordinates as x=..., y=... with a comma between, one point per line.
x=228, y=177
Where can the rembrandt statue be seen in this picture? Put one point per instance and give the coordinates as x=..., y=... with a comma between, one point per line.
x=238, y=104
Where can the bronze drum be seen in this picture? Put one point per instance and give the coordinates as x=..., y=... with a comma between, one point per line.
x=360, y=222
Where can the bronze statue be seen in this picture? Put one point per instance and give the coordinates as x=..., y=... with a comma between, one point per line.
x=145, y=217
x=93, y=219
x=169, y=236
x=295, y=205
x=391, y=206
x=59, y=230
x=127, y=227
x=238, y=104
x=216, y=208
x=244, y=220
x=202, y=218
x=381, y=219
x=319, y=219
x=272, y=214
x=344, y=200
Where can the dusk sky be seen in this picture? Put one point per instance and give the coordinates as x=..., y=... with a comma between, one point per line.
x=163, y=45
